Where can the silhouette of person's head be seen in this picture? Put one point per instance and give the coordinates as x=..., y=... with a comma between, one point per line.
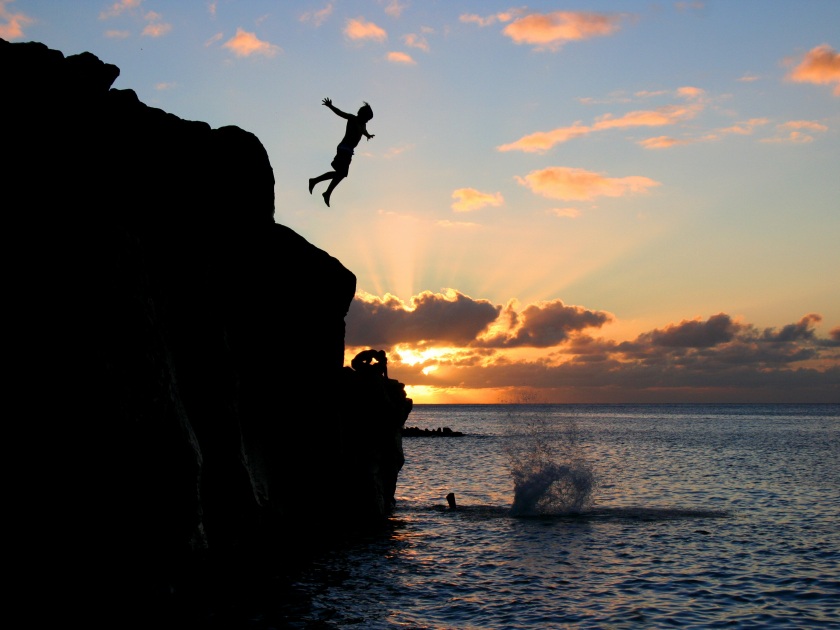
x=365, y=112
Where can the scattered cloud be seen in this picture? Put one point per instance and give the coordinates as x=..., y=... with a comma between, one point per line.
x=558, y=182
x=744, y=128
x=215, y=38
x=469, y=199
x=663, y=142
x=394, y=8
x=646, y=94
x=118, y=8
x=318, y=17
x=155, y=27
x=821, y=66
x=502, y=16
x=12, y=23
x=550, y=31
x=667, y=115
x=413, y=40
x=360, y=29
x=542, y=141
x=796, y=132
x=164, y=86
x=809, y=125
x=245, y=44
x=400, y=57
x=749, y=78
x=691, y=92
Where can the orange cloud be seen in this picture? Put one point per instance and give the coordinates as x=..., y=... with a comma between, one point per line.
x=14, y=23
x=821, y=65
x=745, y=128
x=570, y=213
x=360, y=29
x=245, y=44
x=542, y=141
x=469, y=199
x=667, y=115
x=797, y=132
x=155, y=28
x=810, y=125
x=550, y=31
x=471, y=350
x=560, y=182
x=395, y=9
x=662, y=142
x=691, y=92
x=119, y=8
x=400, y=57
x=413, y=40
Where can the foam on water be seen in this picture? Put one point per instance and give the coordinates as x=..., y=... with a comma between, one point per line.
x=550, y=474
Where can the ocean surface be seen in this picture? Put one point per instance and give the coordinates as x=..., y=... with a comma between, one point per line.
x=599, y=516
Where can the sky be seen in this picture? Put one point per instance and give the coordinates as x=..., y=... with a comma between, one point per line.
x=604, y=201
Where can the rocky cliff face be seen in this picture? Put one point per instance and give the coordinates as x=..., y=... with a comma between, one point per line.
x=177, y=356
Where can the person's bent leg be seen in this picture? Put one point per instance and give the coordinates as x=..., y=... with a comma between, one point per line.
x=320, y=178
x=335, y=181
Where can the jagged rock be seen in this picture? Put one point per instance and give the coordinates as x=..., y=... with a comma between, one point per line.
x=177, y=355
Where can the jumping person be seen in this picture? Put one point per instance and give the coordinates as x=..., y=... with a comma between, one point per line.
x=356, y=128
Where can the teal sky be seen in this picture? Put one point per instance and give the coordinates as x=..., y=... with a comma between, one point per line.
x=534, y=166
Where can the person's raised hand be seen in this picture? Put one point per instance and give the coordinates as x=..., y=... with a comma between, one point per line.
x=327, y=102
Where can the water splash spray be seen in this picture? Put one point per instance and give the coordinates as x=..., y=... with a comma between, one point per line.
x=550, y=474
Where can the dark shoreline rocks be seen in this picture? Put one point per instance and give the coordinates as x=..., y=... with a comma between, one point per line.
x=184, y=424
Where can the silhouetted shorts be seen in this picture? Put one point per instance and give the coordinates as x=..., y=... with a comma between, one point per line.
x=341, y=162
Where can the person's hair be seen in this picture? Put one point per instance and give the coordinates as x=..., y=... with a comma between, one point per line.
x=365, y=111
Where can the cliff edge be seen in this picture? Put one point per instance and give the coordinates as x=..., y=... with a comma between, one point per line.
x=182, y=412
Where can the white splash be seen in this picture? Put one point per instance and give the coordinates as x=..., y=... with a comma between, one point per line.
x=550, y=474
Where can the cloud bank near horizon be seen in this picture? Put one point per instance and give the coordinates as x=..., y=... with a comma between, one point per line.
x=450, y=342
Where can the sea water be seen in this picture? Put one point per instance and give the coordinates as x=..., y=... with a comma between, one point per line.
x=586, y=516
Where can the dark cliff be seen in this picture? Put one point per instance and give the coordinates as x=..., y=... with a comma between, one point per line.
x=181, y=406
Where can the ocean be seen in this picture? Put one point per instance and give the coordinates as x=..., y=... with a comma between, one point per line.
x=598, y=516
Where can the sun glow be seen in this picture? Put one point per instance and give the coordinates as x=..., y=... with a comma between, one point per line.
x=414, y=356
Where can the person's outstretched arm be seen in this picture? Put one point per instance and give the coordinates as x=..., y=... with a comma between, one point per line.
x=328, y=103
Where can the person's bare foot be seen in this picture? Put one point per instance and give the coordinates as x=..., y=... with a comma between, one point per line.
x=311, y=185
x=326, y=199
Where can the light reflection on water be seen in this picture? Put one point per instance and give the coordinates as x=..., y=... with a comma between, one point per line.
x=702, y=516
